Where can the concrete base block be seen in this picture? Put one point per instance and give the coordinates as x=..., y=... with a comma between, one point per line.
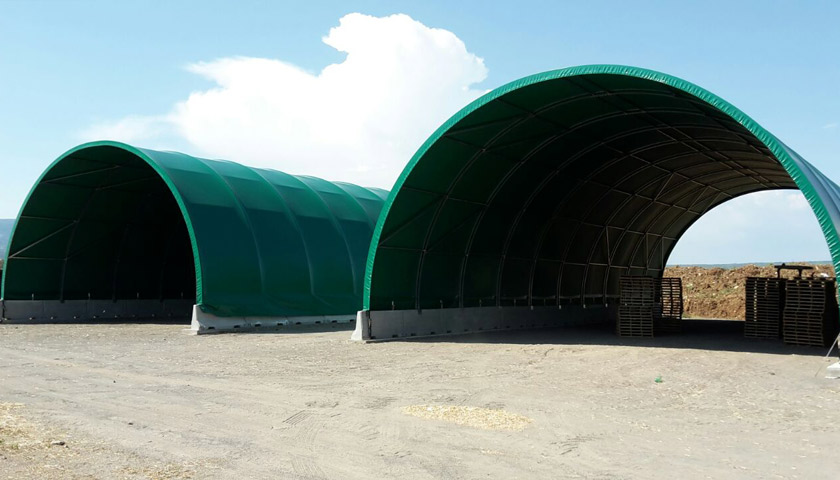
x=833, y=370
x=69, y=311
x=203, y=322
x=393, y=324
x=362, y=330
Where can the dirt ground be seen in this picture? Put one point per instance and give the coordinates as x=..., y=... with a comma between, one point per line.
x=148, y=401
x=719, y=292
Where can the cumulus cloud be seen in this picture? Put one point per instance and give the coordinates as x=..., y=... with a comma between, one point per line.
x=358, y=120
x=361, y=119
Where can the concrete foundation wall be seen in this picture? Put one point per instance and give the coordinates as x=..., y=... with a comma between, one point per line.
x=203, y=322
x=393, y=324
x=70, y=311
x=55, y=311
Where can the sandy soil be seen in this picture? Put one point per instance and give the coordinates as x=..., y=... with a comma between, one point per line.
x=147, y=401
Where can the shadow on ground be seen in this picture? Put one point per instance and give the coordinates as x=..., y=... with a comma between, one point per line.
x=720, y=335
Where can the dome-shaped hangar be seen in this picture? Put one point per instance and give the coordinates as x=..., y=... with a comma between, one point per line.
x=114, y=231
x=526, y=207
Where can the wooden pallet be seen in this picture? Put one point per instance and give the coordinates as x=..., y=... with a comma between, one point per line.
x=763, y=302
x=636, y=306
x=810, y=312
x=668, y=318
x=635, y=321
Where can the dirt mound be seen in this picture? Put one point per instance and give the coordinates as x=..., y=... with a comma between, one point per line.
x=719, y=292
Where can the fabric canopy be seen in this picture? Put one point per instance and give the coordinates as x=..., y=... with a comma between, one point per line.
x=112, y=221
x=546, y=190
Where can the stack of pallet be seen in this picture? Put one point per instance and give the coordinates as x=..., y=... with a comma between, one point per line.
x=668, y=317
x=636, y=306
x=764, y=300
x=810, y=312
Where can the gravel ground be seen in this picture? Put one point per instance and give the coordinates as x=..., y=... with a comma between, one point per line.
x=148, y=401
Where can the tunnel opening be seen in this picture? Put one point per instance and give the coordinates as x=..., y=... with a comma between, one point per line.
x=101, y=236
x=759, y=269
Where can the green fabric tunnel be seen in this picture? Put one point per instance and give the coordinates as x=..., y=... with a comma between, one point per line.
x=543, y=192
x=113, y=224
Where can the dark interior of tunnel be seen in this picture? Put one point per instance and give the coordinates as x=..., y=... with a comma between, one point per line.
x=100, y=225
x=548, y=194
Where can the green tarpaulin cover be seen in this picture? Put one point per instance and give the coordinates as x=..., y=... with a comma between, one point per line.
x=112, y=221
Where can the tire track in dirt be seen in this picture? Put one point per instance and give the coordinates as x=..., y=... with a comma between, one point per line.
x=306, y=431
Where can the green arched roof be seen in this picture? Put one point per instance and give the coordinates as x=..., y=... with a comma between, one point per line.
x=549, y=188
x=110, y=221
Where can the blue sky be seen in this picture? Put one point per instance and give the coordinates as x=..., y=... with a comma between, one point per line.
x=71, y=71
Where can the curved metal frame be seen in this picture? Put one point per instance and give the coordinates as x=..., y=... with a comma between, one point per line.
x=822, y=194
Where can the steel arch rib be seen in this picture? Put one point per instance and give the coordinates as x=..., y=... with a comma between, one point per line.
x=823, y=195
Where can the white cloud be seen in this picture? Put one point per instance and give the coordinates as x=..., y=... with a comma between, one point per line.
x=129, y=129
x=359, y=120
x=769, y=226
x=829, y=126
